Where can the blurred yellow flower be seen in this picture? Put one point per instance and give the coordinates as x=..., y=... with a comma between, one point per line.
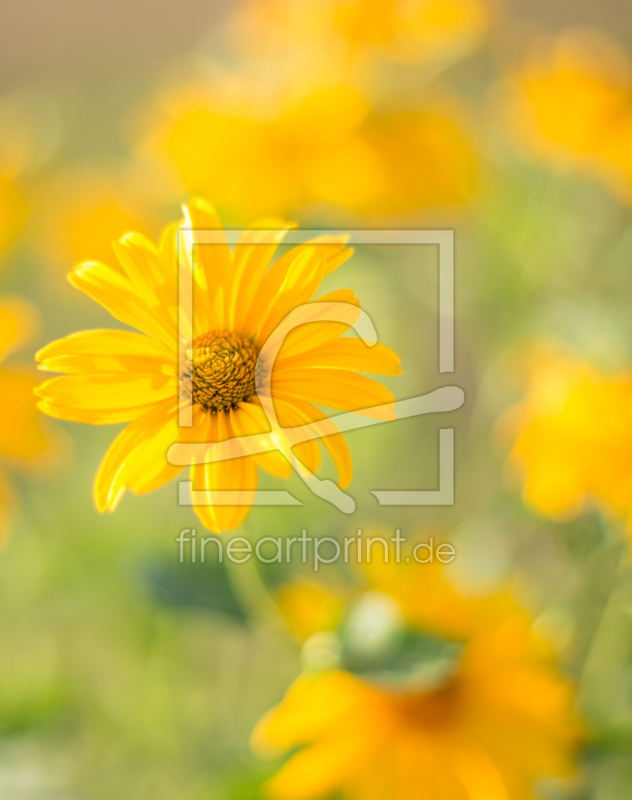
x=572, y=105
x=571, y=94
x=414, y=30
x=487, y=731
x=309, y=607
x=573, y=439
x=122, y=376
x=429, y=600
x=326, y=147
x=299, y=102
x=28, y=137
x=253, y=163
x=397, y=164
x=402, y=30
x=12, y=210
x=616, y=155
x=82, y=212
x=24, y=441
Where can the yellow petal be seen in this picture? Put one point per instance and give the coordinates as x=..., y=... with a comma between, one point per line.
x=235, y=474
x=299, y=412
x=154, y=279
x=292, y=287
x=252, y=257
x=213, y=267
x=345, y=353
x=110, y=480
x=307, y=452
x=106, y=351
x=314, y=334
x=336, y=388
x=188, y=299
x=121, y=396
x=291, y=281
x=312, y=706
x=91, y=416
x=117, y=295
x=249, y=419
x=318, y=770
x=137, y=459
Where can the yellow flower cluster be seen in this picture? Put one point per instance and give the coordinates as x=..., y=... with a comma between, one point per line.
x=328, y=146
x=289, y=129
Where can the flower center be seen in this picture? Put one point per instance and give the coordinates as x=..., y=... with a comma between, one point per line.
x=218, y=370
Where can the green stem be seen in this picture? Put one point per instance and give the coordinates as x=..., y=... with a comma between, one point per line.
x=590, y=662
x=250, y=590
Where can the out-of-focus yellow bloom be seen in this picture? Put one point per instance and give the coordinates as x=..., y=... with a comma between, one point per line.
x=442, y=608
x=500, y=723
x=402, y=30
x=239, y=301
x=503, y=719
x=27, y=137
x=252, y=161
x=324, y=148
x=295, y=126
x=573, y=439
x=399, y=163
x=572, y=105
x=617, y=158
x=24, y=441
x=570, y=95
x=309, y=607
x=15, y=147
x=84, y=211
x=12, y=210
x=414, y=30
x=429, y=601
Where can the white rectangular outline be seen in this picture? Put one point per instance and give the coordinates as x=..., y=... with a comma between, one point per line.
x=444, y=238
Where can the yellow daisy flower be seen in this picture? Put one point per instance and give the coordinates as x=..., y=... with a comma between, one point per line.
x=240, y=297
x=573, y=439
x=502, y=719
x=24, y=442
